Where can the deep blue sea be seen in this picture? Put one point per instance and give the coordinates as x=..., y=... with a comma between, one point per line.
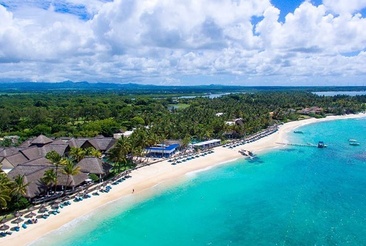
x=290, y=196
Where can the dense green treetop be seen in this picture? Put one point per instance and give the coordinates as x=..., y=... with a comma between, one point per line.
x=81, y=114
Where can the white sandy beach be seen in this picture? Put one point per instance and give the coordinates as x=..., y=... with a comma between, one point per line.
x=145, y=178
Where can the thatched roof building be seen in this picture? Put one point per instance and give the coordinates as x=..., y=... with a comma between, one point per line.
x=32, y=175
x=30, y=161
x=94, y=165
x=41, y=140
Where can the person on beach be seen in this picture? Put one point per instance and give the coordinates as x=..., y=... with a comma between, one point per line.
x=133, y=190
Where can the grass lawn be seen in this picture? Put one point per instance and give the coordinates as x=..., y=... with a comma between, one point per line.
x=178, y=106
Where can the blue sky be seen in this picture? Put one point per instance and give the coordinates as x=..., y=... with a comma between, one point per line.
x=236, y=42
x=290, y=6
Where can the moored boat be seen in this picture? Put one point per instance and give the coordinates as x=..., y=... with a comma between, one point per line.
x=321, y=145
x=353, y=142
x=246, y=153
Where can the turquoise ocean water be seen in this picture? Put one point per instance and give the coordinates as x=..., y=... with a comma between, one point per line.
x=291, y=196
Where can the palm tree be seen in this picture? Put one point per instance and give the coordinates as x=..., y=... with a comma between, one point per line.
x=163, y=139
x=70, y=169
x=77, y=154
x=151, y=140
x=185, y=142
x=19, y=187
x=93, y=152
x=56, y=160
x=49, y=178
x=4, y=198
x=5, y=190
x=117, y=167
x=119, y=153
x=136, y=151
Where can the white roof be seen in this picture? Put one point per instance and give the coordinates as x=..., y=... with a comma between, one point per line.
x=125, y=134
x=207, y=142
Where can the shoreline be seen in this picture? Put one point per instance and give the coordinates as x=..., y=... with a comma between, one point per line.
x=146, y=178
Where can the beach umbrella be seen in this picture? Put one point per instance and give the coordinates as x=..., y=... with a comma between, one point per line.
x=55, y=205
x=17, y=214
x=30, y=215
x=58, y=201
x=4, y=227
x=42, y=209
x=17, y=220
x=42, y=205
x=55, y=202
x=65, y=198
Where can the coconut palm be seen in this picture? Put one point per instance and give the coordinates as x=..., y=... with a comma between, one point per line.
x=54, y=157
x=77, y=153
x=56, y=160
x=93, y=152
x=4, y=198
x=120, y=151
x=185, y=142
x=5, y=190
x=119, y=154
x=19, y=187
x=70, y=169
x=151, y=140
x=49, y=178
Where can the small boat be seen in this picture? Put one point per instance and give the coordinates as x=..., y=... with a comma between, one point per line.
x=321, y=145
x=353, y=142
x=246, y=153
x=299, y=132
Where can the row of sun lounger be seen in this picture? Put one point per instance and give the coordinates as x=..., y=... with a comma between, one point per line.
x=53, y=208
x=188, y=157
x=252, y=138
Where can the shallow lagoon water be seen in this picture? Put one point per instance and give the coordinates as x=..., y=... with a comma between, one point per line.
x=290, y=196
x=337, y=93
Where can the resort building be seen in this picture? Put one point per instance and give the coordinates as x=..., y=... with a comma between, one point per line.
x=34, y=171
x=207, y=144
x=29, y=160
x=311, y=110
x=124, y=134
x=162, y=150
x=11, y=159
x=93, y=165
x=238, y=121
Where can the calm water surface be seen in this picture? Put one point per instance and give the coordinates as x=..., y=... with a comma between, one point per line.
x=335, y=93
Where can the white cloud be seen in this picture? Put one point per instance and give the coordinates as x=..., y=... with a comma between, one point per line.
x=161, y=40
x=345, y=6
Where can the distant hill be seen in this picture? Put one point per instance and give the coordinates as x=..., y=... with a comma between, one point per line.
x=130, y=88
x=19, y=87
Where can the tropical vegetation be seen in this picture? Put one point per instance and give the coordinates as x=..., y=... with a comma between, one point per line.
x=153, y=119
x=86, y=115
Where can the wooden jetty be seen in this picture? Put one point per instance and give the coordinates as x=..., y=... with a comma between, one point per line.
x=319, y=145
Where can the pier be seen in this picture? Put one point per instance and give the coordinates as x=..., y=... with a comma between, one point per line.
x=303, y=145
